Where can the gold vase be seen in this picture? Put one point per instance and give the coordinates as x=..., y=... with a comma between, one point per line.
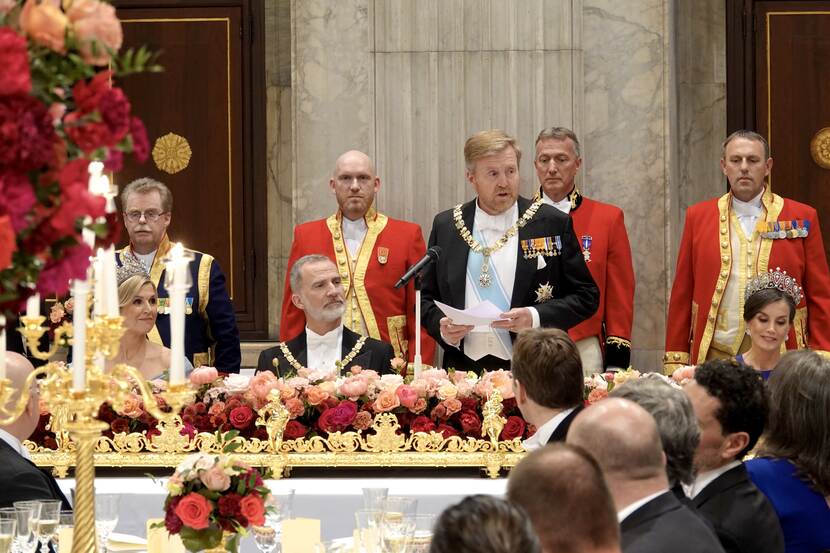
x=222, y=547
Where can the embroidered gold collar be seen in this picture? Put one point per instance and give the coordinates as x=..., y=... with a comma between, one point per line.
x=339, y=364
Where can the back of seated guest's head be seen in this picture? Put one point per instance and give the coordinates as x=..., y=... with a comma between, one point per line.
x=483, y=524
x=563, y=491
x=676, y=422
x=547, y=369
x=18, y=369
x=798, y=421
x=731, y=405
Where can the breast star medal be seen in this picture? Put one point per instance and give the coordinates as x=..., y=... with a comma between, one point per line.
x=544, y=292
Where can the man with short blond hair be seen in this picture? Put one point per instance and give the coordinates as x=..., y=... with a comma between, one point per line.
x=518, y=254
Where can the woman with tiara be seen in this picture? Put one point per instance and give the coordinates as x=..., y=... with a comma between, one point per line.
x=769, y=312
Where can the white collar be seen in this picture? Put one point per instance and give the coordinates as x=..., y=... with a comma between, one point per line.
x=500, y=222
x=623, y=513
x=14, y=443
x=358, y=225
x=563, y=205
x=330, y=337
x=751, y=208
x=705, y=478
x=146, y=258
x=544, y=432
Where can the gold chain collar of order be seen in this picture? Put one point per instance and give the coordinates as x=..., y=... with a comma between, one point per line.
x=340, y=364
x=484, y=278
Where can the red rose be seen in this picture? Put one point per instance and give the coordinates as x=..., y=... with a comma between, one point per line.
x=141, y=146
x=508, y=405
x=202, y=423
x=120, y=425
x=470, y=423
x=337, y=419
x=8, y=244
x=422, y=424
x=253, y=508
x=14, y=59
x=469, y=404
x=90, y=135
x=88, y=95
x=200, y=408
x=446, y=430
x=115, y=113
x=294, y=430
x=229, y=504
x=50, y=443
x=513, y=428
x=241, y=417
x=194, y=511
x=27, y=135
x=172, y=522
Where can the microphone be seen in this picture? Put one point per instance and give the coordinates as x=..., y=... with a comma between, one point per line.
x=432, y=255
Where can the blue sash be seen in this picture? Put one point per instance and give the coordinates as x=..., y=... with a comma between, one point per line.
x=495, y=292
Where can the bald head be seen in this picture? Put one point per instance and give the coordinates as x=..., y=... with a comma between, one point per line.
x=622, y=437
x=354, y=184
x=18, y=368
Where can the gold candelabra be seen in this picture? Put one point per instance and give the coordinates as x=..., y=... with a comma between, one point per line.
x=78, y=408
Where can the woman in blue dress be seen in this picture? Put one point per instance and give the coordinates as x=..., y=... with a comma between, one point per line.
x=792, y=467
x=769, y=312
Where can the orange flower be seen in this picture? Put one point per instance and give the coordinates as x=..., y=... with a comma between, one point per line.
x=315, y=395
x=45, y=24
x=386, y=401
x=97, y=29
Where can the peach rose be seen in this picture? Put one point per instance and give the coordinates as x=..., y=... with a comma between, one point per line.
x=386, y=401
x=131, y=407
x=56, y=313
x=420, y=405
x=596, y=395
x=353, y=387
x=447, y=390
x=69, y=304
x=328, y=386
x=452, y=405
x=315, y=395
x=286, y=391
x=362, y=420
x=45, y=23
x=216, y=408
x=262, y=383
x=215, y=479
x=398, y=364
x=295, y=407
x=203, y=375
x=97, y=29
x=407, y=395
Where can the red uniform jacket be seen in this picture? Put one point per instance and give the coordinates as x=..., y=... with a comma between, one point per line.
x=389, y=249
x=600, y=229
x=703, y=268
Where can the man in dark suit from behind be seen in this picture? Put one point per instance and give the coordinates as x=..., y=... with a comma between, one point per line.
x=731, y=405
x=20, y=479
x=623, y=438
x=561, y=486
x=548, y=382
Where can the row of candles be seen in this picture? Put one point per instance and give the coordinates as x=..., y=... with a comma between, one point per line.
x=102, y=272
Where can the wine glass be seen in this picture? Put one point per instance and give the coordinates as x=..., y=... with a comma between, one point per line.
x=48, y=519
x=373, y=498
x=396, y=532
x=422, y=536
x=26, y=513
x=368, y=532
x=106, y=518
x=7, y=533
x=265, y=538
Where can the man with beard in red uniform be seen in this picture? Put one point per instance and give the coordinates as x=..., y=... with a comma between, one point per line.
x=728, y=240
x=600, y=228
x=372, y=251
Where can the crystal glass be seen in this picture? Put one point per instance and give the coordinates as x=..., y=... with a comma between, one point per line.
x=27, y=513
x=7, y=532
x=401, y=505
x=373, y=498
x=367, y=522
x=46, y=527
x=106, y=518
x=396, y=532
x=422, y=536
x=265, y=538
x=66, y=520
x=279, y=507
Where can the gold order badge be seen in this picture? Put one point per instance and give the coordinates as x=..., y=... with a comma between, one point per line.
x=820, y=148
x=171, y=153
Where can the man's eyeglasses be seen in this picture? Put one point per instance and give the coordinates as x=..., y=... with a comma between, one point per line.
x=151, y=215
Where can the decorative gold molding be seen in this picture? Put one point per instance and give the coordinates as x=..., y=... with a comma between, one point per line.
x=820, y=148
x=172, y=153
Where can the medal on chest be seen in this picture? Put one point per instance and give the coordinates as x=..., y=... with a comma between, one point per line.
x=586, y=248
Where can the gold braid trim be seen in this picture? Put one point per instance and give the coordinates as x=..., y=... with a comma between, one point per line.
x=340, y=364
x=617, y=341
x=474, y=244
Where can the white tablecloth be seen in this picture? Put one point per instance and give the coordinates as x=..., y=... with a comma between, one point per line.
x=332, y=500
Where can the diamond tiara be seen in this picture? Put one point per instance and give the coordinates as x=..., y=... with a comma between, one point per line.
x=130, y=267
x=775, y=279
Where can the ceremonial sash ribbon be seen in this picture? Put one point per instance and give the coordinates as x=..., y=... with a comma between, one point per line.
x=495, y=292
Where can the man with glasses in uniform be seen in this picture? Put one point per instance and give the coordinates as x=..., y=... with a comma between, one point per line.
x=211, y=336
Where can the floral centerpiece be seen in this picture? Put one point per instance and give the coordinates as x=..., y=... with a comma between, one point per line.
x=212, y=499
x=59, y=111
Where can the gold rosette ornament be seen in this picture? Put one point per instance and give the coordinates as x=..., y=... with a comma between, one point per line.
x=820, y=148
x=171, y=153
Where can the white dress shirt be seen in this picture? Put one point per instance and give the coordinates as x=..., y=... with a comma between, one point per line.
x=623, y=514
x=353, y=234
x=748, y=212
x=705, y=478
x=15, y=444
x=324, y=351
x=544, y=432
x=146, y=258
x=563, y=205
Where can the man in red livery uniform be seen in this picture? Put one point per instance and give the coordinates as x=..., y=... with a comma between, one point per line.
x=600, y=228
x=728, y=240
x=372, y=251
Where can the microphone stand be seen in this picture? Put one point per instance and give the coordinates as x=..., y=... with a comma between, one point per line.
x=417, y=359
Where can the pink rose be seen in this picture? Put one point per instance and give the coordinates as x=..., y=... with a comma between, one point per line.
x=131, y=407
x=203, y=375
x=420, y=405
x=44, y=22
x=362, y=420
x=596, y=395
x=253, y=508
x=286, y=391
x=57, y=313
x=194, y=509
x=97, y=29
x=295, y=407
x=315, y=395
x=386, y=401
x=408, y=396
x=215, y=479
x=216, y=408
x=683, y=374
x=353, y=387
x=452, y=405
x=262, y=383
x=6, y=6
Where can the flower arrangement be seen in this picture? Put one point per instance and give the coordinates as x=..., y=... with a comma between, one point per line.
x=58, y=112
x=598, y=386
x=212, y=499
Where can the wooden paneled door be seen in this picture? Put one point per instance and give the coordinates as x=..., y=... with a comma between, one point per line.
x=205, y=122
x=778, y=83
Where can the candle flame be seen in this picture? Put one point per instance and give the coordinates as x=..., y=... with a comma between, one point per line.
x=177, y=252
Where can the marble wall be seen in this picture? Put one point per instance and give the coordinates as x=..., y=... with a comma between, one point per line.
x=408, y=80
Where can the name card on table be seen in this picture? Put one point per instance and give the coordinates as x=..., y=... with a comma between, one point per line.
x=159, y=540
x=65, y=540
x=300, y=535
